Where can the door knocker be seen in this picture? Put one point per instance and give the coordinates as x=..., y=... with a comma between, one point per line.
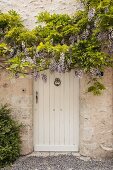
x=57, y=82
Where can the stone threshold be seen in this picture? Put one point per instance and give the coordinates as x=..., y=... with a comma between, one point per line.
x=45, y=154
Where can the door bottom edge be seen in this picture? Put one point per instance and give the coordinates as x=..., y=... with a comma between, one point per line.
x=56, y=148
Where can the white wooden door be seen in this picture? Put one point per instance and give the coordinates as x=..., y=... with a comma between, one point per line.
x=56, y=113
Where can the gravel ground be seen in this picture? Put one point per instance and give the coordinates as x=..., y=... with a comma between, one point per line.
x=61, y=162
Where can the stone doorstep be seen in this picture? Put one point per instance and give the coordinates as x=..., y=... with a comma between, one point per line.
x=45, y=154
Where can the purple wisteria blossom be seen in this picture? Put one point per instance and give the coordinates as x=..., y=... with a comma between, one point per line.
x=37, y=55
x=106, y=10
x=28, y=59
x=36, y=75
x=44, y=77
x=61, y=64
x=91, y=14
x=85, y=34
x=72, y=39
x=111, y=35
x=95, y=72
x=12, y=52
x=79, y=73
x=53, y=66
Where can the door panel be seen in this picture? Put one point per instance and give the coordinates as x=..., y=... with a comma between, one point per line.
x=56, y=114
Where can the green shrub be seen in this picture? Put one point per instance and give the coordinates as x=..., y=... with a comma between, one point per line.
x=9, y=137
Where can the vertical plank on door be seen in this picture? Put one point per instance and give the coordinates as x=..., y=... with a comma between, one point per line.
x=57, y=111
x=76, y=111
x=36, y=112
x=71, y=94
x=66, y=108
x=52, y=108
x=41, y=112
x=46, y=104
x=61, y=99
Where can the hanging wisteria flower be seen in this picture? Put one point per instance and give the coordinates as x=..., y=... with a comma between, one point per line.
x=61, y=64
x=43, y=63
x=79, y=73
x=95, y=72
x=102, y=36
x=91, y=14
x=36, y=75
x=110, y=47
x=66, y=68
x=26, y=52
x=12, y=52
x=53, y=66
x=99, y=37
x=30, y=60
x=23, y=60
x=44, y=77
x=85, y=34
x=37, y=55
x=106, y=10
x=59, y=70
x=111, y=35
x=72, y=39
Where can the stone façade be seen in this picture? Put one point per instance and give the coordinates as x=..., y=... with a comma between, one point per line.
x=96, y=112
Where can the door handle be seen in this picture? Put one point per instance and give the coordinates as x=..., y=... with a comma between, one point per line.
x=36, y=97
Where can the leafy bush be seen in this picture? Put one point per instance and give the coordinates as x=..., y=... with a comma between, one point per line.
x=9, y=137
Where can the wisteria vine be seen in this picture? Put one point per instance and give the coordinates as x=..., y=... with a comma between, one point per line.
x=83, y=42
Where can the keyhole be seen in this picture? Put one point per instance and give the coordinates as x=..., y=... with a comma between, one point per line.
x=36, y=97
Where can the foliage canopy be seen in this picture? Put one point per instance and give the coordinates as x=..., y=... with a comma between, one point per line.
x=60, y=42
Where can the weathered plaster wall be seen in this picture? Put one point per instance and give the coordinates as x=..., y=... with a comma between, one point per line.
x=96, y=116
x=30, y=8
x=96, y=119
x=18, y=93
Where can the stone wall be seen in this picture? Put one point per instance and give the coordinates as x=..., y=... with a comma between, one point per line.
x=30, y=8
x=96, y=119
x=96, y=116
x=18, y=93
